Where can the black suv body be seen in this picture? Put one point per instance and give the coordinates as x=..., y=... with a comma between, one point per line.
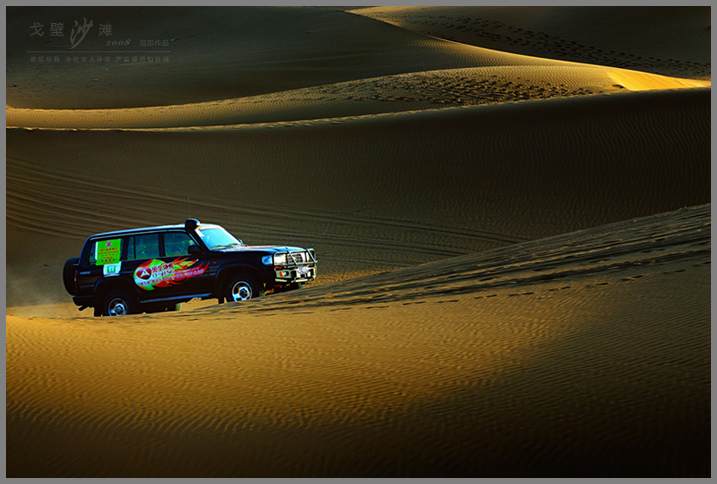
x=157, y=268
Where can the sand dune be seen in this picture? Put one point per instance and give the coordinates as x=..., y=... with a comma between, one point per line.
x=672, y=41
x=565, y=356
x=279, y=49
x=511, y=210
x=387, y=94
x=481, y=182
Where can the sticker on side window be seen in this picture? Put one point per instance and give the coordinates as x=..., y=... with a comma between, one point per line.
x=108, y=251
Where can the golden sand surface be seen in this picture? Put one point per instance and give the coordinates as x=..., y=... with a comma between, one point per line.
x=585, y=354
x=510, y=208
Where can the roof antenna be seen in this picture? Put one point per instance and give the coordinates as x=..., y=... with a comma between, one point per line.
x=188, y=212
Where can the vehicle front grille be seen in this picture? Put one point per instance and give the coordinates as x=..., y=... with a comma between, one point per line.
x=297, y=258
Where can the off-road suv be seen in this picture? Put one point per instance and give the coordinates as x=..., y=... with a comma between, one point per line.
x=157, y=268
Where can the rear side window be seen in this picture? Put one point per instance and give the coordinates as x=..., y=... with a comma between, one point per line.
x=145, y=246
x=108, y=251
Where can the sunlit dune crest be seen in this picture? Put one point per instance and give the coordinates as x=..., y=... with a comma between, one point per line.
x=635, y=81
x=405, y=92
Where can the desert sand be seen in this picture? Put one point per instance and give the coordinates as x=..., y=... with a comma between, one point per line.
x=510, y=208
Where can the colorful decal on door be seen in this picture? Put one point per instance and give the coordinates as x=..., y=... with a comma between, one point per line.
x=157, y=274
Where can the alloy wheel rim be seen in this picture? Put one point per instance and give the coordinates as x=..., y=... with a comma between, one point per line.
x=117, y=307
x=241, y=291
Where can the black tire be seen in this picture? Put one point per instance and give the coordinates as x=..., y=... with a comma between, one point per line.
x=241, y=287
x=118, y=303
x=68, y=275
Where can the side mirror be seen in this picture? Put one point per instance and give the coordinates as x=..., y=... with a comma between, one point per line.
x=194, y=250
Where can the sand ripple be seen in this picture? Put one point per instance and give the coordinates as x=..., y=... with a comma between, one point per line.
x=509, y=285
x=528, y=372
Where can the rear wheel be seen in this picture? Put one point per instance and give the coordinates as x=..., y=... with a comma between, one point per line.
x=118, y=303
x=241, y=287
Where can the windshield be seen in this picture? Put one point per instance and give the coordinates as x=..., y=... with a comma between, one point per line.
x=217, y=238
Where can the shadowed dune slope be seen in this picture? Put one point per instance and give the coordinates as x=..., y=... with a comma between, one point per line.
x=365, y=192
x=217, y=53
x=670, y=40
x=602, y=251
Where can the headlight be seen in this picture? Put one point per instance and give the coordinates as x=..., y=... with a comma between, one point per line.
x=279, y=259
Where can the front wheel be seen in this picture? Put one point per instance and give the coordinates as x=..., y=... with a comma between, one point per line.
x=241, y=287
x=117, y=303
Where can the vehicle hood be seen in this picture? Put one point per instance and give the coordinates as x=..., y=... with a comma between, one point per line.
x=270, y=249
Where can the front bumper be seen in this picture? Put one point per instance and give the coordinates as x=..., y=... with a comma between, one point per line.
x=289, y=275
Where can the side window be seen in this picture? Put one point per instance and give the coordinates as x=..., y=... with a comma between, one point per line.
x=104, y=252
x=176, y=244
x=144, y=246
x=93, y=254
